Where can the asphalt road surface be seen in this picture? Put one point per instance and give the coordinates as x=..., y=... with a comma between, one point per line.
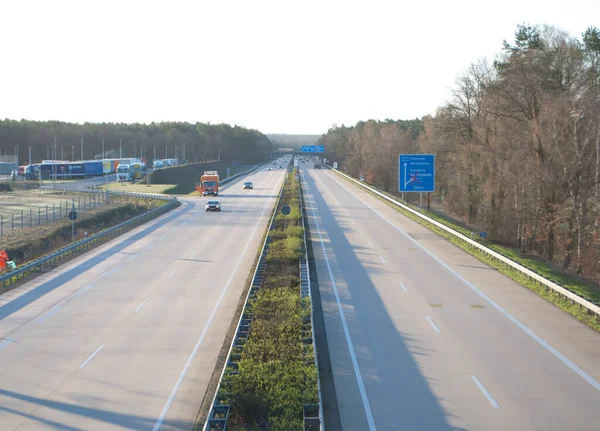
x=423, y=336
x=126, y=336
x=81, y=185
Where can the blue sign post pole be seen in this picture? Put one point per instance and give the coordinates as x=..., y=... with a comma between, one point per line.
x=416, y=173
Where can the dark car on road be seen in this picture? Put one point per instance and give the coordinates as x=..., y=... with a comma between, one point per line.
x=248, y=185
x=213, y=206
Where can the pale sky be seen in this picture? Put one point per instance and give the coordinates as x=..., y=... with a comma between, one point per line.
x=275, y=66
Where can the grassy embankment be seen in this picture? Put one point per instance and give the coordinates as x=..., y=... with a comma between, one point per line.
x=37, y=241
x=276, y=373
x=182, y=179
x=571, y=282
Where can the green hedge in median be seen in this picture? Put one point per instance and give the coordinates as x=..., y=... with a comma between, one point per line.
x=276, y=374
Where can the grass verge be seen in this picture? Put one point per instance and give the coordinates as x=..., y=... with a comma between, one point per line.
x=274, y=375
x=138, y=188
x=35, y=243
x=544, y=269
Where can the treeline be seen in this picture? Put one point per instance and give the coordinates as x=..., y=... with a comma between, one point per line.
x=517, y=147
x=292, y=141
x=196, y=142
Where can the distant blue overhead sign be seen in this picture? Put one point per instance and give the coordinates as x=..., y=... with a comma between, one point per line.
x=313, y=148
x=417, y=173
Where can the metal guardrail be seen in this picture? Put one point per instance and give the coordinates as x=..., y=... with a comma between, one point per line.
x=548, y=284
x=84, y=244
x=315, y=422
x=53, y=258
x=219, y=413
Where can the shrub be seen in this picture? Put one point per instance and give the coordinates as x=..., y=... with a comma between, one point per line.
x=287, y=249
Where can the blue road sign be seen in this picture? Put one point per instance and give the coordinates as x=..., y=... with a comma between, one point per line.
x=313, y=148
x=416, y=173
x=483, y=234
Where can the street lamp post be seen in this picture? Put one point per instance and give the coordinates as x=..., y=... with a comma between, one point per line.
x=54, y=165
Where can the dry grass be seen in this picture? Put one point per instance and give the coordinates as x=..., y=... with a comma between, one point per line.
x=29, y=201
x=138, y=188
x=39, y=240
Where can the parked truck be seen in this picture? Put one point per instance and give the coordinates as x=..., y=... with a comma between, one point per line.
x=123, y=173
x=136, y=171
x=208, y=184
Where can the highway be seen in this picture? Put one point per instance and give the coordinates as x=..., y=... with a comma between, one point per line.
x=423, y=336
x=126, y=336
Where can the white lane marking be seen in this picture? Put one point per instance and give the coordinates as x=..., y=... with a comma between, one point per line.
x=192, y=253
x=141, y=305
x=489, y=300
x=403, y=286
x=89, y=286
x=188, y=364
x=87, y=361
x=218, y=226
x=435, y=328
x=485, y=392
x=172, y=274
x=5, y=343
x=225, y=218
x=49, y=313
x=371, y=244
x=359, y=380
x=382, y=259
x=132, y=257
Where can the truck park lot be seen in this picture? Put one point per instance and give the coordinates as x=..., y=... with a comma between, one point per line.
x=126, y=336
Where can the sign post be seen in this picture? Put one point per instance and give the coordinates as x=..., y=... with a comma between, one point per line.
x=285, y=210
x=313, y=148
x=73, y=217
x=416, y=173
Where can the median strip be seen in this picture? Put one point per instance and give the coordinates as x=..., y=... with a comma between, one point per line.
x=271, y=380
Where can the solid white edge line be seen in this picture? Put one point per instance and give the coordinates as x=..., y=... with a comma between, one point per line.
x=403, y=286
x=485, y=392
x=87, y=361
x=5, y=343
x=434, y=326
x=142, y=304
x=188, y=364
x=172, y=274
x=89, y=286
x=357, y=373
x=489, y=300
x=371, y=244
x=382, y=259
x=49, y=313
